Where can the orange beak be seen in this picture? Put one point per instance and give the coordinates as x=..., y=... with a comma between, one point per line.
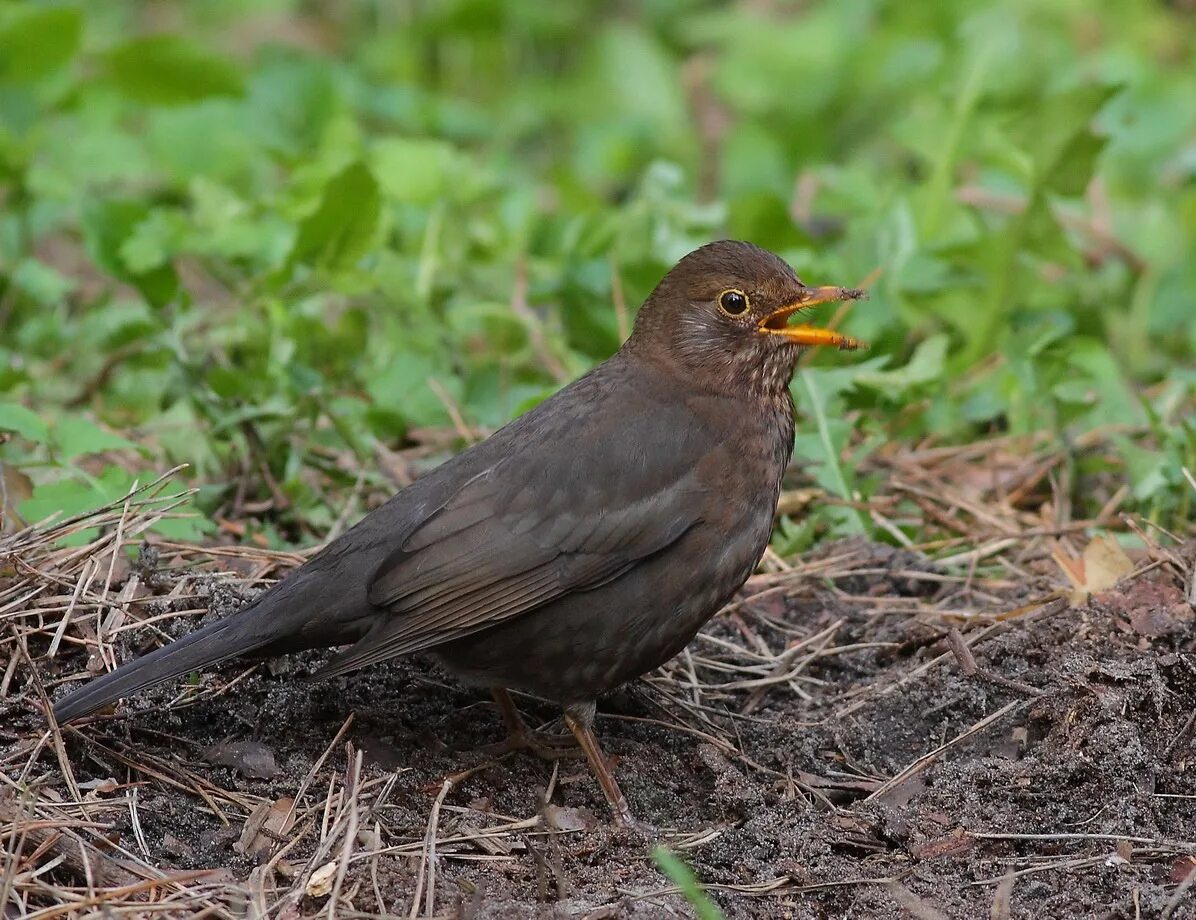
x=777, y=323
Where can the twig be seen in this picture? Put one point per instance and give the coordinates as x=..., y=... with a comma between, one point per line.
x=427, y=860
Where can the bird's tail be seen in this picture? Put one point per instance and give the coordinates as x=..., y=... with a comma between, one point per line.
x=228, y=638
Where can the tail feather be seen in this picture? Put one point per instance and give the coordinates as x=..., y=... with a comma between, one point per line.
x=219, y=641
x=321, y=603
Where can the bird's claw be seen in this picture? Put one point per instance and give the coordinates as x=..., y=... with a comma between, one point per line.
x=545, y=746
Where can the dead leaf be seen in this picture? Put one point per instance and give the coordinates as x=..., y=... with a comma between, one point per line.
x=249, y=758
x=1002, y=899
x=794, y=501
x=569, y=819
x=1160, y=621
x=101, y=786
x=912, y=904
x=176, y=847
x=493, y=844
x=1102, y=564
x=955, y=843
x=263, y=829
x=903, y=792
x=320, y=883
x=1152, y=608
x=1182, y=868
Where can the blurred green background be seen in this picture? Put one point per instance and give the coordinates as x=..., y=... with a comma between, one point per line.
x=281, y=240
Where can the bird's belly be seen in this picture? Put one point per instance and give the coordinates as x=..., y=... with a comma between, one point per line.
x=586, y=643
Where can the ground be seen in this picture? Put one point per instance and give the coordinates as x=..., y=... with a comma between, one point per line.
x=861, y=734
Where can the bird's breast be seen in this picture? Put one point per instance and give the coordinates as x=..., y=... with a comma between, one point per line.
x=742, y=476
x=587, y=642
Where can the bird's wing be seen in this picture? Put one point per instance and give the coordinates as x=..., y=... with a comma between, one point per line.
x=540, y=524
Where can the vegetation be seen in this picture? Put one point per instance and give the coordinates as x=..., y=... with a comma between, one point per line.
x=275, y=240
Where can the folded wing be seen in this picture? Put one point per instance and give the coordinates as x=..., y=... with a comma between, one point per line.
x=525, y=532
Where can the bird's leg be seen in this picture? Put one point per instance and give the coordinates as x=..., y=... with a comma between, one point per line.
x=580, y=720
x=522, y=738
x=511, y=718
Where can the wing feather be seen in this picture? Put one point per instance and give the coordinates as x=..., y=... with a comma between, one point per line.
x=536, y=526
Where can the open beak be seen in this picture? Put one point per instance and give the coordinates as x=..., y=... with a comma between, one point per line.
x=777, y=323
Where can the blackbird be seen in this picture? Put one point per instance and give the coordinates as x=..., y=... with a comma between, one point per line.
x=581, y=545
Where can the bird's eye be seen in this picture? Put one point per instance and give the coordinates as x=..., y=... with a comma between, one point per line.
x=733, y=302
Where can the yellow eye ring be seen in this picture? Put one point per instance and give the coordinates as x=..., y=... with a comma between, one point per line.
x=734, y=302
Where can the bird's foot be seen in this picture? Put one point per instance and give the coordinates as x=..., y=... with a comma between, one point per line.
x=543, y=745
x=522, y=738
x=579, y=719
x=628, y=823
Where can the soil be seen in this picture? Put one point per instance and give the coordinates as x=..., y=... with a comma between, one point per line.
x=1073, y=795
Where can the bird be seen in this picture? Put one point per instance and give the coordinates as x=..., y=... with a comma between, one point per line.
x=579, y=546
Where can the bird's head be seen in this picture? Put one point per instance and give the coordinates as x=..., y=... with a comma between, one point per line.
x=723, y=315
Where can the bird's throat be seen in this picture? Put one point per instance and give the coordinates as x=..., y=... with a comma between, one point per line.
x=769, y=372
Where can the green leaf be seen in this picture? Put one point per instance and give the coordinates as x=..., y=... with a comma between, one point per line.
x=292, y=98
x=171, y=70
x=492, y=327
x=36, y=40
x=925, y=365
x=1146, y=469
x=43, y=283
x=1058, y=133
x=413, y=170
x=75, y=436
x=830, y=436
x=1114, y=402
x=342, y=227
x=65, y=498
x=192, y=528
x=69, y=497
x=402, y=388
x=108, y=226
x=25, y=422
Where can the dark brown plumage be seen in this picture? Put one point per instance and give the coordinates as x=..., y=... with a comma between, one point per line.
x=581, y=545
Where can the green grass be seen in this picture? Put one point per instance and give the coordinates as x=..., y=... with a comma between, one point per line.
x=245, y=235
x=683, y=877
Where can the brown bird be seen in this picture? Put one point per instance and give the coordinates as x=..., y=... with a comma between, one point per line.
x=581, y=545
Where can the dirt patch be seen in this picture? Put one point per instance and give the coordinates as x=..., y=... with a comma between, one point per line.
x=820, y=751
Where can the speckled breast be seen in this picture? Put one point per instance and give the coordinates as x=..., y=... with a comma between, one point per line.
x=586, y=643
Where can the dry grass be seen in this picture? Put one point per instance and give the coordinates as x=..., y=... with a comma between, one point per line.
x=998, y=515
